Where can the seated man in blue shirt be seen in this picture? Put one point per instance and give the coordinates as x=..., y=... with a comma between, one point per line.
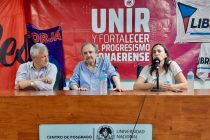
x=38, y=74
x=86, y=74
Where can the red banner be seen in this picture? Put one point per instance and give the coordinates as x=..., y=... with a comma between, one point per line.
x=123, y=30
x=12, y=50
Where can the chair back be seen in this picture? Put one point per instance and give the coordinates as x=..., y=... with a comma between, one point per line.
x=138, y=70
x=60, y=80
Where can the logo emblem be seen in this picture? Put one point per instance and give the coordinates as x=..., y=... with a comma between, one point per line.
x=186, y=12
x=129, y=3
x=105, y=132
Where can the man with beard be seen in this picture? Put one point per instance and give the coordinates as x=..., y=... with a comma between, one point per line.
x=39, y=74
x=87, y=72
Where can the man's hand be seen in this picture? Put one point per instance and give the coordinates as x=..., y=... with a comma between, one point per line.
x=82, y=89
x=119, y=89
x=75, y=87
x=17, y=86
x=23, y=84
x=46, y=80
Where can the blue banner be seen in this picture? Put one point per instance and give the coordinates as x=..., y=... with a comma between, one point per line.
x=52, y=38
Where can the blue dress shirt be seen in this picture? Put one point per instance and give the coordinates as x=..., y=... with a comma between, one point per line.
x=85, y=78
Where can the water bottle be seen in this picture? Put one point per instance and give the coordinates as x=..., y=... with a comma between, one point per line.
x=190, y=81
x=103, y=82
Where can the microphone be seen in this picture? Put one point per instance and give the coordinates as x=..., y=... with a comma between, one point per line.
x=156, y=62
x=156, y=65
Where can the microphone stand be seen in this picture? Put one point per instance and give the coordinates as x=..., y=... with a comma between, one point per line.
x=157, y=89
x=157, y=75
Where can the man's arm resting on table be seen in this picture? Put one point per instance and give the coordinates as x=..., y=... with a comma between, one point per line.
x=24, y=84
x=75, y=87
x=32, y=83
x=116, y=80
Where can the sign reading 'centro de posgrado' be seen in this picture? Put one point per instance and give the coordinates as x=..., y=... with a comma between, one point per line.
x=95, y=132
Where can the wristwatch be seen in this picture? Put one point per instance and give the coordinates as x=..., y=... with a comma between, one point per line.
x=32, y=83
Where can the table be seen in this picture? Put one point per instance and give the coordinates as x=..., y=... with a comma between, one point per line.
x=174, y=116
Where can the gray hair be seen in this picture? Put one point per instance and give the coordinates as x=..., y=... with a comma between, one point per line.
x=88, y=43
x=37, y=48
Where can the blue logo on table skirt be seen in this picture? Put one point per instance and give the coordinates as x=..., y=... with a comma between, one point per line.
x=105, y=132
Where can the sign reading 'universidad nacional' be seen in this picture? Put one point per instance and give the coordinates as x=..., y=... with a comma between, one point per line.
x=95, y=132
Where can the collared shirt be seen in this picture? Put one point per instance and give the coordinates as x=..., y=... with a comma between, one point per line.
x=85, y=78
x=27, y=71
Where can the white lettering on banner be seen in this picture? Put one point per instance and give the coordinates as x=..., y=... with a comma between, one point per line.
x=125, y=47
x=129, y=57
x=142, y=16
x=116, y=20
x=121, y=38
x=122, y=34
